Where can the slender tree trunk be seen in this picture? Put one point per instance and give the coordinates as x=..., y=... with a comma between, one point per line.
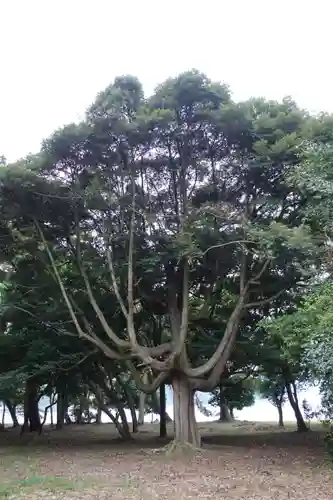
x=51, y=409
x=124, y=421
x=3, y=414
x=280, y=412
x=131, y=405
x=293, y=400
x=114, y=420
x=135, y=424
x=142, y=407
x=156, y=406
x=123, y=427
x=186, y=429
x=163, y=426
x=232, y=414
x=12, y=410
x=99, y=416
x=45, y=414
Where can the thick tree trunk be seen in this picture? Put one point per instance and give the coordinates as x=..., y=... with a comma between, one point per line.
x=12, y=410
x=280, y=412
x=61, y=409
x=142, y=407
x=225, y=415
x=163, y=427
x=31, y=409
x=224, y=410
x=293, y=400
x=186, y=429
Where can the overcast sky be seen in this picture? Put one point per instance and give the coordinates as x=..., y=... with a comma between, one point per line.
x=56, y=55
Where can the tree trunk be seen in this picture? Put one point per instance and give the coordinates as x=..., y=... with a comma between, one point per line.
x=99, y=416
x=186, y=429
x=131, y=405
x=12, y=410
x=80, y=409
x=124, y=422
x=280, y=412
x=142, y=407
x=232, y=414
x=122, y=428
x=163, y=427
x=156, y=406
x=51, y=410
x=224, y=410
x=68, y=419
x=3, y=414
x=45, y=414
x=61, y=409
x=31, y=409
x=114, y=420
x=293, y=400
x=135, y=424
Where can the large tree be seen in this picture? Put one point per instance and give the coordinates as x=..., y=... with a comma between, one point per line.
x=165, y=208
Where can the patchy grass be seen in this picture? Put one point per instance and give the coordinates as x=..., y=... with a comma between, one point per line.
x=11, y=489
x=239, y=460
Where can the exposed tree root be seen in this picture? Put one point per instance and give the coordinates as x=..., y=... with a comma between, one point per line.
x=177, y=448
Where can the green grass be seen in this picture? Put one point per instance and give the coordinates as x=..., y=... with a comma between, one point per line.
x=49, y=483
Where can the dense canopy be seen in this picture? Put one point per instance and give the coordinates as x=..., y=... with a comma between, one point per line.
x=167, y=240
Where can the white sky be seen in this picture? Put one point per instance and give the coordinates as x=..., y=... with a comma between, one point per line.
x=56, y=55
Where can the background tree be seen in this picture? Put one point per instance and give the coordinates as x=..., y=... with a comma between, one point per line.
x=235, y=393
x=275, y=392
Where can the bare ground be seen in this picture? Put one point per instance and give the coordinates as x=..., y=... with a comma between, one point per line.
x=243, y=461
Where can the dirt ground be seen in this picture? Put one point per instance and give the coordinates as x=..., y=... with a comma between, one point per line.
x=239, y=461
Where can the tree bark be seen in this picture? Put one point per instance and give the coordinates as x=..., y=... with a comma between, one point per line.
x=293, y=400
x=61, y=409
x=280, y=412
x=99, y=416
x=122, y=428
x=51, y=409
x=31, y=409
x=142, y=406
x=135, y=424
x=124, y=422
x=224, y=410
x=163, y=426
x=3, y=414
x=186, y=428
x=12, y=410
x=156, y=407
x=232, y=414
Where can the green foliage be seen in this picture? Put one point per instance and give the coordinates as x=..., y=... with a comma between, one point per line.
x=273, y=390
x=176, y=220
x=237, y=393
